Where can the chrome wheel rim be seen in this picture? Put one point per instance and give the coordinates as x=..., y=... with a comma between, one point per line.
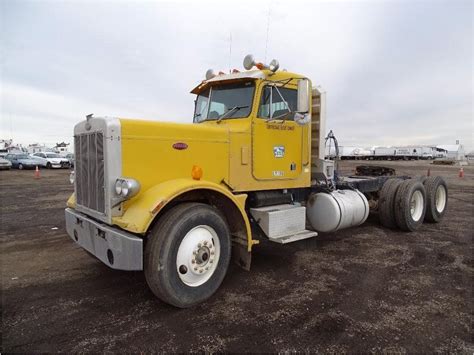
x=440, y=198
x=416, y=205
x=198, y=255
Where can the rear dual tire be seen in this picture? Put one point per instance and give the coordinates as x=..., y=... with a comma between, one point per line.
x=410, y=205
x=405, y=204
x=436, y=198
x=387, y=203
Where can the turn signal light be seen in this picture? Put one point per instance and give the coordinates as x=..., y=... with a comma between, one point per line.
x=196, y=172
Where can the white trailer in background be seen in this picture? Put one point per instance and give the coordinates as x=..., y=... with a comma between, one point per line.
x=349, y=153
x=362, y=153
x=405, y=153
x=384, y=153
x=414, y=152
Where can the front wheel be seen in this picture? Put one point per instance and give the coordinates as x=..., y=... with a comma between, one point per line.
x=187, y=254
x=20, y=166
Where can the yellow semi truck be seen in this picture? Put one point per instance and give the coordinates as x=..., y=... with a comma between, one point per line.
x=179, y=200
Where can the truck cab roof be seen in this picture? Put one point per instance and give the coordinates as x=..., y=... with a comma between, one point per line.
x=246, y=75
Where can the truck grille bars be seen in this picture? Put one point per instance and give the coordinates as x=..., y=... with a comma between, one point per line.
x=90, y=185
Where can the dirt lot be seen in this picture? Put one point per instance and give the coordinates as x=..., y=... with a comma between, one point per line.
x=365, y=289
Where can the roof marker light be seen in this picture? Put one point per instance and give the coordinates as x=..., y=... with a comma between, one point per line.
x=210, y=74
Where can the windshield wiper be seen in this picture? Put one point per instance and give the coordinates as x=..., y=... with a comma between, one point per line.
x=230, y=111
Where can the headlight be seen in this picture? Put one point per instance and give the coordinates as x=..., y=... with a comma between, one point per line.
x=118, y=187
x=127, y=188
x=72, y=177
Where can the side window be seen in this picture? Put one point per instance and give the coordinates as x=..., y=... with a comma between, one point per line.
x=277, y=103
x=202, y=102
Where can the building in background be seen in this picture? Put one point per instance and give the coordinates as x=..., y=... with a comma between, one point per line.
x=37, y=148
x=61, y=148
x=4, y=145
x=453, y=151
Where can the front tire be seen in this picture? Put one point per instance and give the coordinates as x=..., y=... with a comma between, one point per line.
x=20, y=167
x=187, y=254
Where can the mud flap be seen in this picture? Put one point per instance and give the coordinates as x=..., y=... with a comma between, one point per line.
x=241, y=256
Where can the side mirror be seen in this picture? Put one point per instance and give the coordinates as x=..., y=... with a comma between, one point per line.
x=303, y=96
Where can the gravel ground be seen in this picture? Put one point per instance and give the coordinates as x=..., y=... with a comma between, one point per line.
x=365, y=289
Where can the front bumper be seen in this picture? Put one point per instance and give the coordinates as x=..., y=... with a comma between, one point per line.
x=114, y=247
x=28, y=166
x=62, y=165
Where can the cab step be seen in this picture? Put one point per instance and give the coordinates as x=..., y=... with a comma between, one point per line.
x=295, y=237
x=283, y=223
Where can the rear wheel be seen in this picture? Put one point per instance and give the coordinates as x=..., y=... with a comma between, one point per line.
x=436, y=197
x=410, y=205
x=187, y=254
x=387, y=203
x=20, y=166
x=48, y=165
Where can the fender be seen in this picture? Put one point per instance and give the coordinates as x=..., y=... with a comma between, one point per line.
x=142, y=211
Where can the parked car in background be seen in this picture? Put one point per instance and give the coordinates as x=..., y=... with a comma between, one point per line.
x=21, y=161
x=39, y=161
x=5, y=164
x=70, y=157
x=52, y=160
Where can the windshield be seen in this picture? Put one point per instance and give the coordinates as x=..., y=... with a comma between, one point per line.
x=52, y=155
x=224, y=101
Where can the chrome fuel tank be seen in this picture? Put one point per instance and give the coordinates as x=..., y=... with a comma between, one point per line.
x=329, y=212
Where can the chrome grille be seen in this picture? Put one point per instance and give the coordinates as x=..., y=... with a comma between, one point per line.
x=89, y=170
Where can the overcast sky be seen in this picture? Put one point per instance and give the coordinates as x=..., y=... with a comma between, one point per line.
x=395, y=72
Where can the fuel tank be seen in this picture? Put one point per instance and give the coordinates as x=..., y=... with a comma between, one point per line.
x=329, y=212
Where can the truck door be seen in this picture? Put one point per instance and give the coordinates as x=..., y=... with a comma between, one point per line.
x=277, y=140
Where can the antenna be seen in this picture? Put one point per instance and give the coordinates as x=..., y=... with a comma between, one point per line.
x=230, y=51
x=268, y=28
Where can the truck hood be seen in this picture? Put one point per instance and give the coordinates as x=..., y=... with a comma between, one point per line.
x=154, y=152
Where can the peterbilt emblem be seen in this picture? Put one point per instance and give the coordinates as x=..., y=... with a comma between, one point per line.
x=279, y=151
x=180, y=146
